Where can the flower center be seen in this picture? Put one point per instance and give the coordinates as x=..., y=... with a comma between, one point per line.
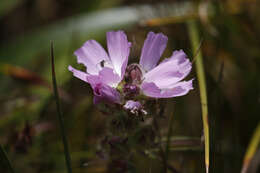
x=131, y=90
x=97, y=89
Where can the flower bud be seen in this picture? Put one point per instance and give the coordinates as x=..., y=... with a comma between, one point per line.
x=133, y=74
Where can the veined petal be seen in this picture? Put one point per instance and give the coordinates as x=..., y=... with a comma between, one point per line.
x=152, y=50
x=118, y=48
x=179, y=89
x=94, y=80
x=91, y=54
x=170, y=71
x=107, y=76
x=78, y=74
x=105, y=93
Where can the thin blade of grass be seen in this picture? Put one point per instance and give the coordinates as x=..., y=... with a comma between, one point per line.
x=6, y=159
x=60, y=116
x=251, y=149
x=194, y=38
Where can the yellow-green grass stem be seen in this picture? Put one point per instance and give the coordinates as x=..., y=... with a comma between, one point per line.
x=195, y=42
x=251, y=149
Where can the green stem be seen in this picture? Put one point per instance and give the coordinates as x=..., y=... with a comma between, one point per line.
x=194, y=38
x=60, y=116
x=6, y=159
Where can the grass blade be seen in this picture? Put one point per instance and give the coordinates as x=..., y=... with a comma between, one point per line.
x=5, y=159
x=60, y=116
x=194, y=38
x=251, y=149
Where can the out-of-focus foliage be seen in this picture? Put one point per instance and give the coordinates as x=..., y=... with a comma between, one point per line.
x=29, y=131
x=7, y=6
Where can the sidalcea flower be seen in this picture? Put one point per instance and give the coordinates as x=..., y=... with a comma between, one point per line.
x=104, y=71
x=163, y=80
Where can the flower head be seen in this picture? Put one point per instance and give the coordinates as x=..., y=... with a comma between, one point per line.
x=104, y=71
x=163, y=80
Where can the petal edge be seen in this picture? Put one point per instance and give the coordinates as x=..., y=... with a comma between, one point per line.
x=180, y=89
x=153, y=48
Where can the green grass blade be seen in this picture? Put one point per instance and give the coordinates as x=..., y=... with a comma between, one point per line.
x=194, y=38
x=251, y=150
x=6, y=159
x=60, y=116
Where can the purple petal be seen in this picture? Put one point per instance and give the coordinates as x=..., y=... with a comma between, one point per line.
x=108, y=77
x=170, y=71
x=105, y=93
x=91, y=54
x=153, y=48
x=102, y=90
x=78, y=74
x=118, y=48
x=94, y=80
x=179, y=89
x=105, y=76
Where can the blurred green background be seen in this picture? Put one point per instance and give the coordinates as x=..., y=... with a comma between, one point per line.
x=29, y=131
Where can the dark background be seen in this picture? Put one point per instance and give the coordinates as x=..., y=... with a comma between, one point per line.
x=229, y=30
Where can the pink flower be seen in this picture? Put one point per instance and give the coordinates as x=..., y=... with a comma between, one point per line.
x=163, y=80
x=104, y=71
